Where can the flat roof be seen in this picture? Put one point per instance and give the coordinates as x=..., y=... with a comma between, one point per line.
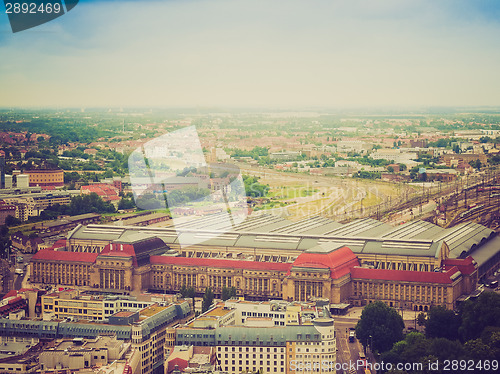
x=218, y=312
x=151, y=310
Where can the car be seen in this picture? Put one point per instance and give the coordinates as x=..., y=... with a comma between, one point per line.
x=351, y=336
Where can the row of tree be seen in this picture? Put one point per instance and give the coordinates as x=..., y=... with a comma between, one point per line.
x=208, y=296
x=472, y=333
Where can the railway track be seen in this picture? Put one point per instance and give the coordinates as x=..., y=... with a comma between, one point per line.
x=484, y=207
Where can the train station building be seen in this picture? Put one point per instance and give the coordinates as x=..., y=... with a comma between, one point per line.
x=411, y=266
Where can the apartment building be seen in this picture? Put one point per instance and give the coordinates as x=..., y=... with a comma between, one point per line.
x=145, y=329
x=274, y=337
x=77, y=305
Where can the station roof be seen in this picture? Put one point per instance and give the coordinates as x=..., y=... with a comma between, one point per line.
x=465, y=237
x=446, y=277
x=466, y=266
x=486, y=252
x=459, y=238
x=221, y=263
x=365, y=227
x=314, y=225
x=137, y=246
x=418, y=248
x=264, y=231
x=415, y=230
x=51, y=255
x=338, y=261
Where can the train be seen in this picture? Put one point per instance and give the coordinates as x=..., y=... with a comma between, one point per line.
x=489, y=188
x=471, y=211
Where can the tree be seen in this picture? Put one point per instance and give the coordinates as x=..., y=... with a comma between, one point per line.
x=91, y=203
x=442, y=323
x=383, y=324
x=126, y=203
x=390, y=169
x=477, y=350
x=208, y=299
x=478, y=314
x=254, y=188
x=421, y=319
x=228, y=292
x=445, y=349
x=12, y=221
x=183, y=290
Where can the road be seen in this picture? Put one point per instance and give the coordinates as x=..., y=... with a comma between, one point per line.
x=347, y=352
x=24, y=265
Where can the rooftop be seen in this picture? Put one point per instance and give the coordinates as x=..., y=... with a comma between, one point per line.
x=218, y=312
x=51, y=255
x=220, y=263
x=445, y=277
x=151, y=310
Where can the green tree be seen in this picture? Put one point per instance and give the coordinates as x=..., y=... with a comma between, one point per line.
x=208, y=299
x=478, y=314
x=442, y=323
x=445, y=349
x=253, y=188
x=190, y=292
x=91, y=203
x=12, y=221
x=421, y=319
x=126, y=203
x=5, y=241
x=183, y=290
x=228, y=292
x=383, y=324
x=477, y=350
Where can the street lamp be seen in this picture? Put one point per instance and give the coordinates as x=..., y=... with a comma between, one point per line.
x=371, y=344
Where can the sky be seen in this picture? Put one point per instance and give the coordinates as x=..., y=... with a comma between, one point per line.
x=253, y=53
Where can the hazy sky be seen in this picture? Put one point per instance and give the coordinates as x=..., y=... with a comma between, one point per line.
x=293, y=53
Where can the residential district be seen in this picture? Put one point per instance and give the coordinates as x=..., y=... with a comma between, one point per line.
x=345, y=214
